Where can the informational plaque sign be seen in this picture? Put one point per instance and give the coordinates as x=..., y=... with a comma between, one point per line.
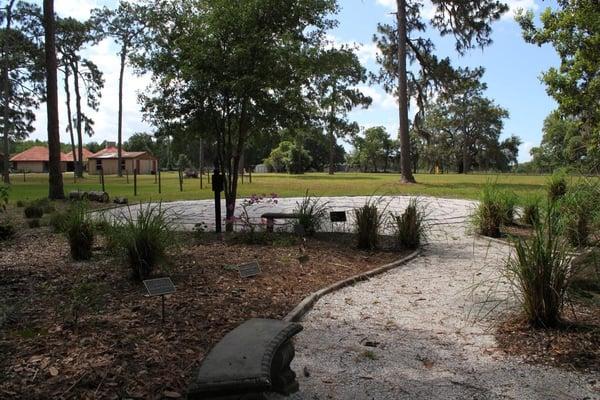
x=337, y=216
x=159, y=286
x=248, y=270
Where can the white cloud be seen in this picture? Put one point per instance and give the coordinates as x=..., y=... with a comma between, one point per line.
x=524, y=150
x=381, y=99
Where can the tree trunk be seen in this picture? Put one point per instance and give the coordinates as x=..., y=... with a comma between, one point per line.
x=120, y=123
x=332, y=143
x=6, y=77
x=69, y=122
x=55, y=190
x=465, y=159
x=79, y=161
x=405, y=164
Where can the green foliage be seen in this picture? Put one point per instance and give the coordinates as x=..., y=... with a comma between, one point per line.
x=373, y=151
x=509, y=203
x=572, y=29
x=199, y=231
x=33, y=211
x=557, y=185
x=531, y=210
x=85, y=297
x=20, y=203
x=7, y=229
x=79, y=229
x=410, y=228
x=143, y=236
x=368, y=220
x=290, y=157
x=57, y=221
x=490, y=211
x=311, y=211
x=540, y=271
x=578, y=207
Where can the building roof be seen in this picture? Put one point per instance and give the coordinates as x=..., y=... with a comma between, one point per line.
x=35, y=154
x=86, y=154
x=112, y=153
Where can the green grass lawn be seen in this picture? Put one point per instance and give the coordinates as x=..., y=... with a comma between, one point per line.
x=342, y=184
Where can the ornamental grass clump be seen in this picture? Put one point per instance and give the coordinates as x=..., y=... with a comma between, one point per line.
x=579, y=206
x=509, y=205
x=410, y=226
x=557, y=185
x=143, y=237
x=540, y=271
x=490, y=211
x=530, y=214
x=79, y=229
x=311, y=212
x=368, y=221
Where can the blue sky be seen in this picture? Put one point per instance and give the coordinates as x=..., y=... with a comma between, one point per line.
x=512, y=67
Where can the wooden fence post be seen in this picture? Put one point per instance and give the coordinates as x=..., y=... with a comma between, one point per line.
x=159, y=185
x=180, y=180
x=135, y=181
x=102, y=178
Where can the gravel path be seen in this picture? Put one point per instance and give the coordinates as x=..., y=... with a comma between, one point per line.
x=424, y=331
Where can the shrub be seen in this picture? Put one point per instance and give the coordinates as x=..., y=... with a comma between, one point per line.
x=143, y=238
x=4, y=193
x=20, y=203
x=579, y=207
x=311, y=213
x=410, y=226
x=33, y=211
x=489, y=212
x=531, y=211
x=509, y=204
x=557, y=185
x=33, y=223
x=57, y=221
x=7, y=230
x=79, y=229
x=540, y=271
x=368, y=220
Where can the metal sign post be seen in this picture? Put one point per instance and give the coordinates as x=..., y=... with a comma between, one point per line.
x=217, y=187
x=160, y=287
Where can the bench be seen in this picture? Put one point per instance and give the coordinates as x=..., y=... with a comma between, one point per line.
x=271, y=217
x=249, y=362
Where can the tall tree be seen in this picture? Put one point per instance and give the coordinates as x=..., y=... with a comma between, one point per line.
x=124, y=25
x=468, y=21
x=339, y=72
x=55, y=190
x=574, y=32
x=73, y=36
x=22, y=73
x=234, y=69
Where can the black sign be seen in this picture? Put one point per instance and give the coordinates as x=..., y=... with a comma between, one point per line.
x=337, y=216
x=159, y=286
x=248, y=270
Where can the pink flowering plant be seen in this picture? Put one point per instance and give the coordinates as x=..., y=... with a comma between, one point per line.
x=244, y=220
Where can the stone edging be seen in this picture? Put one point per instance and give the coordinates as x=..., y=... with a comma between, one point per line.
x=309, y=301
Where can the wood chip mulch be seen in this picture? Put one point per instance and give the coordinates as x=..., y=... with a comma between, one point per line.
x=118, y=347
x=575, y=345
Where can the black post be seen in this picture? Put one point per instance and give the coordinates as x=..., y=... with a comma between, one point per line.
x=201, y=172
x=217, y=187
x=242, y=176
x=250, y=175
x=102, y=178
x=180, y=180
x=127, y=175
x=24, y=176
x=135, y=181
x=159, y=186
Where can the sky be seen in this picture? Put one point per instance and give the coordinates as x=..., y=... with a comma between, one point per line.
x=513, y=69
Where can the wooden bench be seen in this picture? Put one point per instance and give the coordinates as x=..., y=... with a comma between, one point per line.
x=271, y=217
x=248, y=363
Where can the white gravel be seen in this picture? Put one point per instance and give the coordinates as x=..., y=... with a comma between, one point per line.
x=431, y=322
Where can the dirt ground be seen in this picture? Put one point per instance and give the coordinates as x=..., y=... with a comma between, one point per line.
x=84, y=330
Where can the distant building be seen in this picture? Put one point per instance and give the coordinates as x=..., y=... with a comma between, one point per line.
x=107, y=160
x=35, y=159
x=261, y=169
x=70, y=160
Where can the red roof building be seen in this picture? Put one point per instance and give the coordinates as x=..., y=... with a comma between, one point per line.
x=35, y=159
x=107, y=160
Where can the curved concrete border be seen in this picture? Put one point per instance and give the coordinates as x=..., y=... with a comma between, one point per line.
x=309, y=301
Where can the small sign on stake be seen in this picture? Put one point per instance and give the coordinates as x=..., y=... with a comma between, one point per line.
x=248, y=270
x=337, y=216
x=160, y=287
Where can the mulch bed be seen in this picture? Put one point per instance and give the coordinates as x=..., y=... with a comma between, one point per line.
x=118, y=347
x=575, y=345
